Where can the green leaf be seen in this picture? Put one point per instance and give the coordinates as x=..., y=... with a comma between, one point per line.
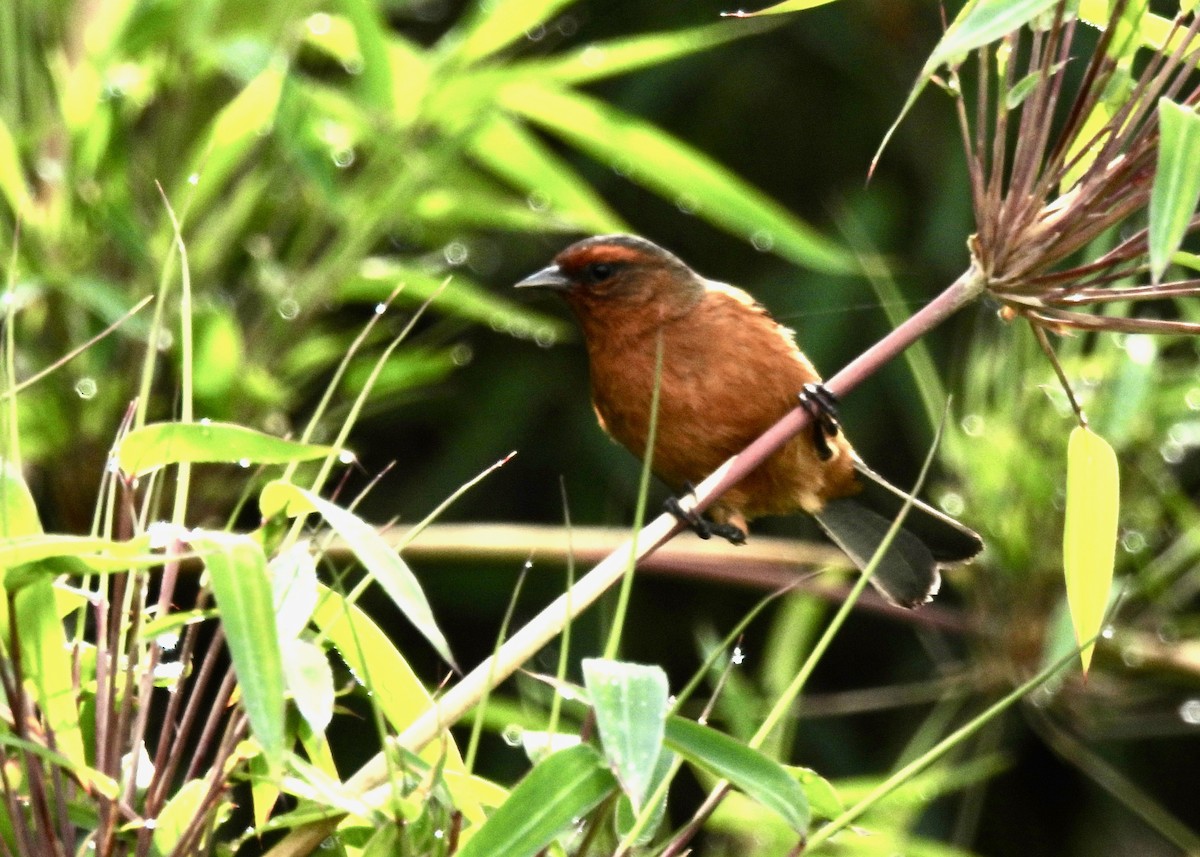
x=235, y=130
x=1090, y=533
x=219, y=352
x=977, y=23
x=375, y=554
x=551, y=797
x=394, y=687
x=822, y=796
x=658, y=161
x=13, y=186
x=514, y=154
x=310, y=681
x=372, y=80
x=496, y=24
x=294, y=588
x=46, y=661
x=630, y=701
x=378, y=276
x=759, y=777
x=160, y=444
x=177, y=816
x=621, y=56
x=780, y=8
x=95, y=554
x=237, y=571
x=18, y=513
x=1176, y=189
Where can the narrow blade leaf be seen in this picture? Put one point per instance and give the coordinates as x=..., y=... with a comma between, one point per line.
x=668, y=166
x=160, y=444
x=237, y=570
x=558, y=791
x=1176, y=188
x=1090, y=536
x=375, y=554
x=756, y=775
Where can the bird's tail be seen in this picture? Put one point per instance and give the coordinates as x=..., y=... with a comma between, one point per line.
x=907, y=574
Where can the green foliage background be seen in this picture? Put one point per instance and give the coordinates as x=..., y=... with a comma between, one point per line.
x=320, y=154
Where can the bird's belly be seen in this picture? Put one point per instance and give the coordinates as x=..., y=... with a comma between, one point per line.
x=697, y=431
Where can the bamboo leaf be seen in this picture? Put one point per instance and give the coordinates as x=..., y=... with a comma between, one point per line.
x=558, y=791
x=46, y=661
x=1090, y=532
x=630, y=701
x=497, y=24
x=1176, y=188
x=621, y=56
x=758, y=776
x=656, y=160
x=237, y=571
x=160, y=444
x=375, y=554
x=977, y=24
x=13, y=186
x=18, y=513
x=780, y=8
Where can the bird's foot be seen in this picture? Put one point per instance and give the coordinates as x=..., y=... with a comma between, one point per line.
x=704, y=527
x=821, y=407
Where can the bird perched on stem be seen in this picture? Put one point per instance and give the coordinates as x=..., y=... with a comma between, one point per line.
x=729, y=371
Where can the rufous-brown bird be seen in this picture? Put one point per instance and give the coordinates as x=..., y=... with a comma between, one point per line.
x=729, y=372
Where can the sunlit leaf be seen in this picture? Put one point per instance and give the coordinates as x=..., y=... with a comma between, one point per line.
x=234, y=131
x=1176, y=189
x=621, y=56
x=237, y=571
x=630, y=701
x=18, y=513
x=823, y=798
x=376, y=555
x=756, y=775
x=160, y=444
x=12, y=177
x=310, y=682
x=516, y=155
x=375, y=662
x=554, y=795
x=178, y=814
x=94, y=554
x=372, y=78
x=499, y=23
x=378, y=277
x=1090, y=532
x=654, y=159
x=46, y=661
x=780, y=8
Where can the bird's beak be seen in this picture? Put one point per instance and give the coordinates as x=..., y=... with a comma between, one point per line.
x=551, y=277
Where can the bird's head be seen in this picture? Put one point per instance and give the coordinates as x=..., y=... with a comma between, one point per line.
x=619, y=276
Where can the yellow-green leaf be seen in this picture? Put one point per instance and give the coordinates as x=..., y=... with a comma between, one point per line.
x=160, y=444
x=1176, y=189
x=376, y=555
x=237, y=571
x=1090, y=533
x=779, y=8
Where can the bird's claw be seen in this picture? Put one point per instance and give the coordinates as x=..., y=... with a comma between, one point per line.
x=821, y=407
x=702, y=526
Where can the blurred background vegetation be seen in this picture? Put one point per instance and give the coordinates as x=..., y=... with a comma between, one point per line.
x=319, y=154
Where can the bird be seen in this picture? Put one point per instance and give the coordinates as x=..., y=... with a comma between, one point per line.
x=729, y=371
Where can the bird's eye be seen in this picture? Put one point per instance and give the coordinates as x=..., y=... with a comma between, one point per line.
x=598, y=272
